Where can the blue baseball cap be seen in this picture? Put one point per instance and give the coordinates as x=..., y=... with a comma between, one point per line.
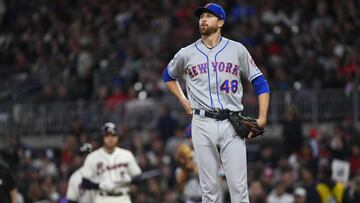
x=213, y=8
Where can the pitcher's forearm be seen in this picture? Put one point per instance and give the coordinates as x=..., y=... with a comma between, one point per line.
x=175, y=89
x=263, y=106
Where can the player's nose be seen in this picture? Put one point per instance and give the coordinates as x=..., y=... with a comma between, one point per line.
x=202, y=22
x=202, y=19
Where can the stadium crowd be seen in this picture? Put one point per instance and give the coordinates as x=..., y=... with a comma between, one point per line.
x=274, y=174
x=67, y=50
x=72, y=50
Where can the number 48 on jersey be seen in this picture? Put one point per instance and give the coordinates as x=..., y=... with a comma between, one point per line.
x=228, y=86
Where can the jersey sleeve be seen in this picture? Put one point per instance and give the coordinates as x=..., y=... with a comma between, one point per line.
x=249, y=70
x=72, y=192
x=176, y=66
x=134, y=169
x=88, y=170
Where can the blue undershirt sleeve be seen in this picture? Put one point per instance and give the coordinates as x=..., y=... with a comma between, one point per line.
x=260, y=85
x=166, y=76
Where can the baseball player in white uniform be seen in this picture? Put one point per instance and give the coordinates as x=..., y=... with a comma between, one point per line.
x=212, y=68
x=110, y=169
x=75, y=193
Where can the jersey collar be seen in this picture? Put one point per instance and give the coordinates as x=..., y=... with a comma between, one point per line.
x=216, y=48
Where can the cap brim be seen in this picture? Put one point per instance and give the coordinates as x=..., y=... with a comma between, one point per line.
x=202, y=10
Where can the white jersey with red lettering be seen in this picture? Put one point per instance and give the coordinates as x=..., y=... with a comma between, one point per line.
x=119, y=167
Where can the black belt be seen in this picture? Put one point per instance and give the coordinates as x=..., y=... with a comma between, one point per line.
x=218, y=115
x=103, y=193
x=196, y=199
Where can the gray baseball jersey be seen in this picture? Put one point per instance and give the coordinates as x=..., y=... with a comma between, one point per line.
x=213, y=75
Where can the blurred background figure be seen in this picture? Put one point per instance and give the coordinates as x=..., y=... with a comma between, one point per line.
x=75, y=193
x=292, y=131
x=352, y=193
x=8, y=192
x=327, y=189
x=256, y=192
x=187, y=176
x=300, y=195
x=279, y=194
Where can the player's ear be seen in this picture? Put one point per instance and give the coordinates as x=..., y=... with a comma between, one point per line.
x=221, y=23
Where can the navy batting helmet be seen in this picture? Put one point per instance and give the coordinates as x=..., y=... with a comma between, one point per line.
x=108, y=127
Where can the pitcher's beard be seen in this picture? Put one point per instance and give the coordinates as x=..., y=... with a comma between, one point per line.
x=208, y=30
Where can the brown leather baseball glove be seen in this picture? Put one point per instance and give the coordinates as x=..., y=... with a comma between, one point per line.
x=244, y=125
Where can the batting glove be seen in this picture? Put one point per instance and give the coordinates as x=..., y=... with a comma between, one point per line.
x=107, y=185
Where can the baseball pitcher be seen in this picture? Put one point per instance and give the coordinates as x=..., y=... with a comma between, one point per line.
x=213, y=67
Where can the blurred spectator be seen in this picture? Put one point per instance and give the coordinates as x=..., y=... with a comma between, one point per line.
x=350, y=129
x=304, y=158
x=337, y=146
x=314, y=142
x=35, y=193
x=8, y=191
x=307, y=180
x=142, y=197
x=76, y=128
x=138, y=144
x=166, y=124
x=143, y=162
x=288, y=178
x=154, y=190
x=11, y=152
x=117, y=97
x=61, y=188
x=101, y=94
x=49, y=188
x=256, y=192
x=292, y=131
x=354, y=158
x=173, y=142
x=48, y=94
x=327, y=189
x=352, y=193
x=279, y=195
x=67, y=153
x=170, y=197
x=300, y=195
x=48, y=167
x=2, y=9
x=267, y=179
x=62, y=94
x=267, y=156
